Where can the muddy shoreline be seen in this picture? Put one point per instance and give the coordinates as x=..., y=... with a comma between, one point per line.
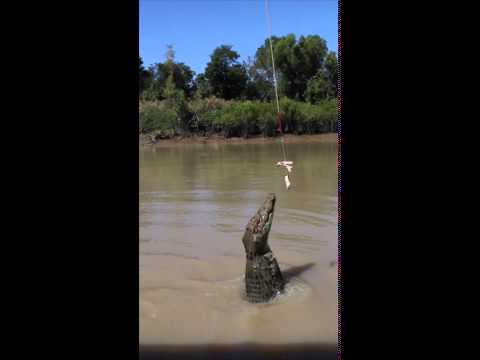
x=146, y=141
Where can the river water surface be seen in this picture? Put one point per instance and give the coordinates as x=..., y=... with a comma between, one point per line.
x=195, y=201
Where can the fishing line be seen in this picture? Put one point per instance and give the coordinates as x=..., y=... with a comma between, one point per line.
x=284, y=163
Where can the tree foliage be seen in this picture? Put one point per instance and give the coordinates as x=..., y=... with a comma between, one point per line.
x=145, y=77
x=236, y=99
x=259, y=83
x=180, y=74
x=203, y=87
x=296, y=62
x=324, y=84
x=225, y=76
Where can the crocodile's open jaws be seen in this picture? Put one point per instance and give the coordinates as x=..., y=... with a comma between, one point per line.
x=263, y=278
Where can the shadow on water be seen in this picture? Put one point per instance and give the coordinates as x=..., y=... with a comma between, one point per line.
x=295, y=271
x=240, y=351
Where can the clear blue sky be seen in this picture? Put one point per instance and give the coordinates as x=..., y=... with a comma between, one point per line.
x=196, y=28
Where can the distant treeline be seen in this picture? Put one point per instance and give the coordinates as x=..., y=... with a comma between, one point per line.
x=237, y=99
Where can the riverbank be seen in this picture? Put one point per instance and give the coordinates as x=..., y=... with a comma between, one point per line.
x=147, y=141
x=234, y=118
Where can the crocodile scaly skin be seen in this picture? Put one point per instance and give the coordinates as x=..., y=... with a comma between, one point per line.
x=263, y=278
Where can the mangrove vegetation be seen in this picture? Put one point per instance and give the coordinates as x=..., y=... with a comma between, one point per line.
x=236, y=99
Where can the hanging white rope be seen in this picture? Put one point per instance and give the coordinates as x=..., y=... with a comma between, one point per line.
x=267, y=10
x=285, y=163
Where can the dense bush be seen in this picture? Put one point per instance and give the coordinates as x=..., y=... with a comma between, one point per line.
x=244, y=119
x=204, y=112
x=155, y=117
x=305, y=118
x=236, y=118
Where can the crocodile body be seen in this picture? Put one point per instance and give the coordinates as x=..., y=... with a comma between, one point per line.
x=263, y=278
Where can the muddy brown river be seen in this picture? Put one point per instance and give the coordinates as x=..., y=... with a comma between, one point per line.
x=195, y=201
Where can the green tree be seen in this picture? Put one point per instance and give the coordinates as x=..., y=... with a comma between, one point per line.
x=202, y=86
x=324, y=84
x=259, y=84
x=331, y=68
x=169, y=90
x=152, y=90
x=318, y=88
x=145, y=77
x=181, y=75
x=295, y=61
x=226, y=77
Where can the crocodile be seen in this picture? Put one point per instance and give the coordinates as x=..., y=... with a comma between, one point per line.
x=263, y=278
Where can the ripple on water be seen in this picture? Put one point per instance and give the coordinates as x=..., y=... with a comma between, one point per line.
x=229, y=295
x=295, y=289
